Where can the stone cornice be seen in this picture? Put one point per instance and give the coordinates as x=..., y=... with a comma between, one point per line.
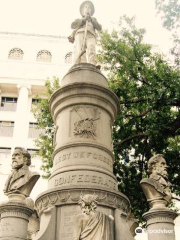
x=64, y=196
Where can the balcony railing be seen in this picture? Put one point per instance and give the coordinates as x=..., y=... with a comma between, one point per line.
x=8, y=106
x=6, y=131
x=34, y=133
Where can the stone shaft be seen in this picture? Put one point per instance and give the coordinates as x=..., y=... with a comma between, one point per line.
x=160, y=224
x=14, y=221
x=83, y=110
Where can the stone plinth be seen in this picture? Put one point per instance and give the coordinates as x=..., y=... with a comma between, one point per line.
x=160, y=224
x=14, y=220
x=83, y=110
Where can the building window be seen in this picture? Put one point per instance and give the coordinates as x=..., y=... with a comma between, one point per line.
x=34, y=131
x=6, y=129
x=32, y=152
x=5, y=152
x=34, y=102
x=44, y=56
x=68, y=57
x=16, y=54
x=8, y=104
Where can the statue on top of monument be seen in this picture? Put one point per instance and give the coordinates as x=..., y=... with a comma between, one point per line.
x=92, y=224
x=21, y=180
x=85, y=35
x=157, y=186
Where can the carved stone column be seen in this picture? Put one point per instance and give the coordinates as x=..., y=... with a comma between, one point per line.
x=160, y=224
x=83, y=110
x=14, y=219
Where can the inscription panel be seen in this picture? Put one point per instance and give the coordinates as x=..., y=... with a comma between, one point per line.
x=6, y=227
x=67, y=225
x=68, y=216
x=85, y=156
x=83, y=178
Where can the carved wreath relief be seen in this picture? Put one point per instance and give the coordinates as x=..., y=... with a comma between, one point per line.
x=84, y=122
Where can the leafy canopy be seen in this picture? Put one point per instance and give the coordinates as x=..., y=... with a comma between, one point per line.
x=43, y=117
x=148, y=123
x=148, y=88
x=170, y=12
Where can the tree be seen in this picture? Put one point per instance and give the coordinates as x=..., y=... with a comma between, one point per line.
x=43, y=116
x=148, y=88
x=170, y=12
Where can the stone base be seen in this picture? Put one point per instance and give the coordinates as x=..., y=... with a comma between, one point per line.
x=14, y=220
x=59, y=211
x=160, y=224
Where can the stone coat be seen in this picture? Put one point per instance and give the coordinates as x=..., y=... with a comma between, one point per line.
x=21, y=181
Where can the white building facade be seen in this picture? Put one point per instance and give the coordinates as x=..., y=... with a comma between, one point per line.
x=26, y=62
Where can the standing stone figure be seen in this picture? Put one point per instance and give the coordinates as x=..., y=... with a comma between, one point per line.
x=21, y=180
x=85, y=35
x=157, y=186
x=91, y=224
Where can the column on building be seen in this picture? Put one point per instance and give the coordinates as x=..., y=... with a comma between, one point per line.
x=0, y=97
x=21, y=123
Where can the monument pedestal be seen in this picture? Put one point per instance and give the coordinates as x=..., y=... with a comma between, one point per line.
x=14, y=220
x=83, y=111
x=160, y=224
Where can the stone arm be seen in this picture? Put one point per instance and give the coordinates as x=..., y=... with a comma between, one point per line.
x=78, y=23
x=78, y=230
x=96, y=25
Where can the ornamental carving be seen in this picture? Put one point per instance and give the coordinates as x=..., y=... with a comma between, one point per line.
x=84, y=122
x=72, y=196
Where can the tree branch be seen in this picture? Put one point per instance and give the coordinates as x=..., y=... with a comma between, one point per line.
x=175, y=126
x=140, y=135
x=133, y=101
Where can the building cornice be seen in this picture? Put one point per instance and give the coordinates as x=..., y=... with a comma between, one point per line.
x=32, y=35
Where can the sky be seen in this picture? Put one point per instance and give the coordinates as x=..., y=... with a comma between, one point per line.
x=54, y=17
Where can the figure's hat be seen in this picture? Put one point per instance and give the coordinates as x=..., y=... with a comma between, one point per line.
x=91, y=5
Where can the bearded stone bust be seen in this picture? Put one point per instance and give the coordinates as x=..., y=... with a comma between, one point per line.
x=21, y=180
x=157, y=186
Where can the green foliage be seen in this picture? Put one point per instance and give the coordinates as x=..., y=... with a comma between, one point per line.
x=148, y=89
x=43, y=116
x=170, y=12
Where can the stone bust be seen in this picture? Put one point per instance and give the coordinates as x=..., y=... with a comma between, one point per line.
x=93, y=224
x=85, y=35
x=21, y=180
x=157, y=186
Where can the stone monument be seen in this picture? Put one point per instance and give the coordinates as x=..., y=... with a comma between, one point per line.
x=83, y=110
x=160, y=219
x=84, y=35
x=92, y=224
x=16, y=212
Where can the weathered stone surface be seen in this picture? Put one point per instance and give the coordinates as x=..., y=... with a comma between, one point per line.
x=83, y=110
x=160, y=220
x=157, y=187
x=14, y=220
x=21, y=180
x=160, y=224
x=18, y=209
x=58, y=197
x=92, y=224
x=81, y=73
x=85, y=35
x=124, y=226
